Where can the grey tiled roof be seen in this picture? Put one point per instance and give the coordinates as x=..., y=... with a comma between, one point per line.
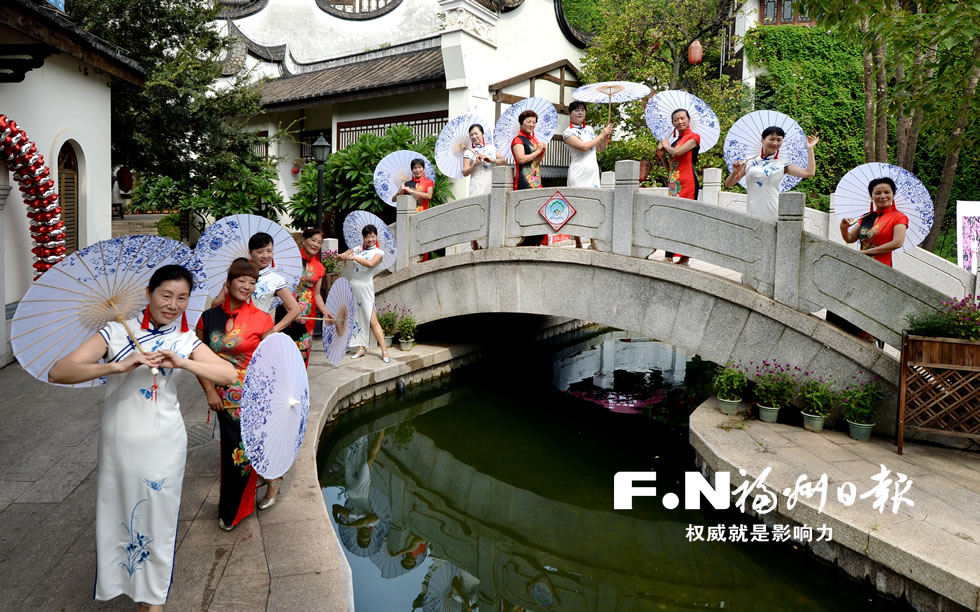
x=236, y=9
x=418, y=67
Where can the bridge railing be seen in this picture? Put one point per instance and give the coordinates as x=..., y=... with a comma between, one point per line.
x=791, y=261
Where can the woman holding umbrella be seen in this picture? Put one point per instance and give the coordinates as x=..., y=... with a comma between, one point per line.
x=308, y=291
x=270, y=284
x=528, y=153
x=420, y=187
x=233, y=330
x=366, y=259
x=764, y=172
x=882, y=230
x=583, y=170
x=478, y=162
x=683, y=153
x=144, y=444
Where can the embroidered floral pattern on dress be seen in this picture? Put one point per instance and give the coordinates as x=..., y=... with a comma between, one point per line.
x=137, y=550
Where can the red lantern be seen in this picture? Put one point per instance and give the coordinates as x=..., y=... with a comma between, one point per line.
x=295, y=169
x=695, y=52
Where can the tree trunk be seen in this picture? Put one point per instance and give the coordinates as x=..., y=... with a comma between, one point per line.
x=869, y=103
x=916, y=115
x=881, y=123
x=955, y=146
x=903, y=122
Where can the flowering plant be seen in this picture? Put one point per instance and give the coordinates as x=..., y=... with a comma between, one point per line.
x=729, y=381
x=330, y=261
x=406, y=325
x=818, y=397
x=388, y=319
x=860, y=400
x=955, y=319
x=775, y=384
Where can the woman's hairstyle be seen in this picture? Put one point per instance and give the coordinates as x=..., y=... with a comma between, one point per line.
x=418, y=161
x=169, y=273
x=475, y=125
x=680, y=110
x=243, y=267
x=525, y=115
x=576, y=104
x=369, y=229
x=773, y=129
x=259, y=240
x=878, y=181
x=311, y=231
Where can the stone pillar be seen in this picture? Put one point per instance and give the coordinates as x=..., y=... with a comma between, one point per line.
x=627, y=184
x=789, y=246
x=833, y=225
x=406, y=210
x=6, y=354
x=711, y=190
x=330, y=244
x=607, y=180
x=503, y=181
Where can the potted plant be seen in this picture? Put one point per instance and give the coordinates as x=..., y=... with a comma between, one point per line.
x=388, y=319
x=860, y=403
x=406, y=330
x=775, y=387
x=818, y=401
x=728, y=384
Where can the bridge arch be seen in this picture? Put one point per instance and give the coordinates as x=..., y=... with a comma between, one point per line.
x=696, y=311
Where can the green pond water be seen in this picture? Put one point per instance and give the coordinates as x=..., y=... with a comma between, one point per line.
x=492, y=490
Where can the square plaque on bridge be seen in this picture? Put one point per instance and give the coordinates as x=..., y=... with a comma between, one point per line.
x=557, y=211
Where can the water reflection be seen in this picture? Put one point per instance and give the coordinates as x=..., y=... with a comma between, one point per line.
x=477, y=496
x=621, y=373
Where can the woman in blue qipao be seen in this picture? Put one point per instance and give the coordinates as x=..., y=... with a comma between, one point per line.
x=143, y=442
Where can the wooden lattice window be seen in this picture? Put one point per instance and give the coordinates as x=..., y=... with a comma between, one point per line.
x=357, y=9
x=781, y=12
x=939, y=390
x=68, y=194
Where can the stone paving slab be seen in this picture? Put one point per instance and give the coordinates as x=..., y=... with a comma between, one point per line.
x=287, y=558
x=936, y=542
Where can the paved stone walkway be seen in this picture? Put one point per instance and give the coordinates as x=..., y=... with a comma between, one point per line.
x=285, y=559
x=936, y=542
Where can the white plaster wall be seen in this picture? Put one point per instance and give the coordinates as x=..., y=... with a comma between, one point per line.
x=55, y=104
x=314, y=35
x=746, y=19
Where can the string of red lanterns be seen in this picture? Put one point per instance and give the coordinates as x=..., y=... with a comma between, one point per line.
x=33, y=176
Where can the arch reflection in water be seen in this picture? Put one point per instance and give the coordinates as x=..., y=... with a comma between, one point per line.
x=503, y=501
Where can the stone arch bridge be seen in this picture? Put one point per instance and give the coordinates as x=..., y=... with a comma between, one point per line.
x=796, y=272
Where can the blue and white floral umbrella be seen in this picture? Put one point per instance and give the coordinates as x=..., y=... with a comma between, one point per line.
x=275, y=405
x=381, y=508
x=454, y=139
x=508, y=126
x=394, y=170
x=101, y=283
x=337, y=335
x=611, y=92
x=704, y=122
x=227, y=239
x=391, y=565
x=356, y=221
x=851, y=199
x=744, y=141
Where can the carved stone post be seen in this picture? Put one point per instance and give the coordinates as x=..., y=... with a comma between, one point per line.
x=627, y=184
x=403, y=230
x=503, y=181
x=607, y=180
x=789, y=247
x=711, y=190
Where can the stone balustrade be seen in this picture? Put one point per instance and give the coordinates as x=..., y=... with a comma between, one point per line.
x=795, y=261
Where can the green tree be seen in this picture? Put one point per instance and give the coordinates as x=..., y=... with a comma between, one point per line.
x=180, y=125
x=348, y=177
x=647, y=41
x=921, y=64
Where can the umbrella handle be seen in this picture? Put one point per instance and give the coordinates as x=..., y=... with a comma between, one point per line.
x=136, y=342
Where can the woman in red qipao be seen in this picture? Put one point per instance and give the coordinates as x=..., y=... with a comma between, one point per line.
x=233, y=330
x=308, y=291
x=683, y=152
x=881, y=232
